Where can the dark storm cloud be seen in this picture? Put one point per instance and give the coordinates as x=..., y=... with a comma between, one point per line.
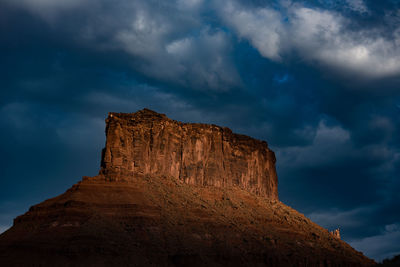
x=319, y=80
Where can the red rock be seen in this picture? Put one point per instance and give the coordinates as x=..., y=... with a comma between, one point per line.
x=148, y=143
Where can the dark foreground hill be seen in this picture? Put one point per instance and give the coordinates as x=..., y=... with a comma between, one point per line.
x=173, y=194
x=392, y=262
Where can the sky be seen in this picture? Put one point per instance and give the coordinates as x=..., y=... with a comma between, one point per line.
x=318, y=80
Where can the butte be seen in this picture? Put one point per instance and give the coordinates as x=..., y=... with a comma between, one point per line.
x=173, y=194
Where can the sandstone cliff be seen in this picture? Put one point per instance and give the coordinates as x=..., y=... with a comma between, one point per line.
x=149, y=143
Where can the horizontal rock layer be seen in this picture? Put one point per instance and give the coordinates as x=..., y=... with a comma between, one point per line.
x=162, y=221
x=149, y=143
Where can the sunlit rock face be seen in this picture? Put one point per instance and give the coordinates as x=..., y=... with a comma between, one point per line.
x=149, y=143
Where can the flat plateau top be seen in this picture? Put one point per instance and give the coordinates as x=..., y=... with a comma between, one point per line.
x=147, y=115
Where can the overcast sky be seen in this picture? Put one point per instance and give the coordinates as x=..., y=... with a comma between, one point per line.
x=318, y=80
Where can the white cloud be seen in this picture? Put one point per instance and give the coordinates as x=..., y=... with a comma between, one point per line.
x=319, y=36
x=327, y=42
x=145, y=34
x=262, y=27
x=167, y=41
x=153, y=33
x=179, y=47
x=310, y=29
x=200, y=61
x=324, y=37
x=163, y=46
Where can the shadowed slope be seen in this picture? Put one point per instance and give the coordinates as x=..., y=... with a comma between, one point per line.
x=163, y=221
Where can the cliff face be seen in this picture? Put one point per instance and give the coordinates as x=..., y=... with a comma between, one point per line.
x=148, y=143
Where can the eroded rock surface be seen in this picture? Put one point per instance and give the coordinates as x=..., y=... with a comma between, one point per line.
x=149, y=143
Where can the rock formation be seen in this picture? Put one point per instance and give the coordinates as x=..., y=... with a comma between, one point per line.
x=336, y=233
x=148, y=143
x=173, y=194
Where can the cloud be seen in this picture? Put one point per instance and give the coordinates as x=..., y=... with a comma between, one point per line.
x=151, y=34
x=330, y=144
x=198, y=61
x=162, y=45
x=382, y=246
x=261, y=26
x=8, y=211
x=190, y=4
x=326, y=37
x=78, y=132
x=14, y=114
x=331, y=164
x=280, y=79
x=377, y=238
x=4, y=228
x=323, y=37
x=342, y=219
x=135, y=97
x=49, y=10
x=145, y=29
x=357, y=5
